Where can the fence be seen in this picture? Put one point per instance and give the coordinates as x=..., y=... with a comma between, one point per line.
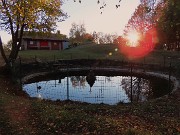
x=22, y=67
x=166, y=65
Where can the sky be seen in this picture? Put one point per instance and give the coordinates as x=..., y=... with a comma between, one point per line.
x=88, y=12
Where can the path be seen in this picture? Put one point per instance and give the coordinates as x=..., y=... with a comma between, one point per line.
x=14, y=108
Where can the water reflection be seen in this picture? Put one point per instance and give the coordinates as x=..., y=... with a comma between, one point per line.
x=94, y=89
x=91, y=78
x=38, y=91
x=78, y=81
x=141, y=88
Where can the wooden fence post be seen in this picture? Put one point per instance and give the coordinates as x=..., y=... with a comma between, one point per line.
x=144, y=64
x=54, y=58
x=164, y=61
x=169, y=82
x=20, y=71
x=131, y=85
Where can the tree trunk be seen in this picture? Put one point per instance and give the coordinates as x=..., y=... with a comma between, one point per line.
x=2, y=52
x=7, y=69
x=12, y=56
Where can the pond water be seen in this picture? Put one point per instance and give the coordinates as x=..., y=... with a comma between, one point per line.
x=98, y=89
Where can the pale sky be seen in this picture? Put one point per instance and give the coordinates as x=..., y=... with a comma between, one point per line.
x=111, y=20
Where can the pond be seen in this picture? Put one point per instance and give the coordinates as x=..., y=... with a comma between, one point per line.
x=94, y=88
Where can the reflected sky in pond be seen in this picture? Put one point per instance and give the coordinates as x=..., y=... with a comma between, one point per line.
x=107, y=90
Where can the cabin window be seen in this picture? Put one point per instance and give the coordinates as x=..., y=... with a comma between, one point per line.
x=31, y=42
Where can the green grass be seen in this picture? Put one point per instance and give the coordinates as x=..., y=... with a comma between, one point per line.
x=92, y=51
x=81, y=52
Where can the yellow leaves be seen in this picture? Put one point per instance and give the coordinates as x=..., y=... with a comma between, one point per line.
x=43, y=1
x=37, y=14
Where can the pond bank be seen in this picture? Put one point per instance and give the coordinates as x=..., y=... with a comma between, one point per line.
x=112, y=70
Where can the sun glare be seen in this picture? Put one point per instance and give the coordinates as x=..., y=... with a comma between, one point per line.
x=136, y=45
x=133, y=38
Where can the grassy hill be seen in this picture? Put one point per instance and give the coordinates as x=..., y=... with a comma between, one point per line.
x=104, y=51
x=90, y=51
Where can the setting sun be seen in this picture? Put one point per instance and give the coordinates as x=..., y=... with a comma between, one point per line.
x=133, y=38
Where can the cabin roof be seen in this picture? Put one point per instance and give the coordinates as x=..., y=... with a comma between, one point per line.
x=45, y=38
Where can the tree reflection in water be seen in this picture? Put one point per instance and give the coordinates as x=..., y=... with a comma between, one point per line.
x=98, y=89
x=140, y=88
x=78, y=81
x=91, y=78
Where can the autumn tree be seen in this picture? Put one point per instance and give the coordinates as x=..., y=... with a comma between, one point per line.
x=143, y=18
x=95, y=37
x=160, y=15
x=16, y=16
x=120, y=40
x=103, y=38
x=168, y=25
x=100, y=36
x=77, y=33
x=88, y=37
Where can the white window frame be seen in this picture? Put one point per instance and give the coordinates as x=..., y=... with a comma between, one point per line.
x=31, y=42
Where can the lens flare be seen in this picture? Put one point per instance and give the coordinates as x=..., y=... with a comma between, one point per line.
x=110, y=53
x=136, y=45
x=133, y=38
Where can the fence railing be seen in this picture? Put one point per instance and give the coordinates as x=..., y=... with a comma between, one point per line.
x=165, y=65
